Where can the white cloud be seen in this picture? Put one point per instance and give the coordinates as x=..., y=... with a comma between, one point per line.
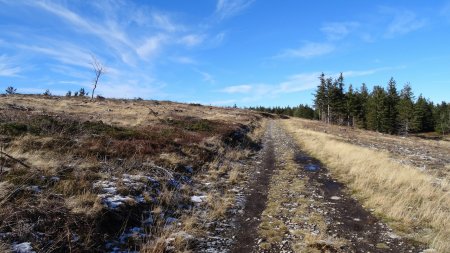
x=309, y=50
x=164, y=22
x=338, y=30
x=299, y=82
x=63, y=52
x=183, y=60
x=207, y=77
x=229, y=8
x=151, y=47
x=245, y=88
x=404, y=22
x=191, y=40
x=7, y=68
x=294, y=83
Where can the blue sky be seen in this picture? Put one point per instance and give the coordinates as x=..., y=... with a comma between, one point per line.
x=222, y=52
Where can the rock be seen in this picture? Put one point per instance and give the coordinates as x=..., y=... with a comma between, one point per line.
x=335, y=198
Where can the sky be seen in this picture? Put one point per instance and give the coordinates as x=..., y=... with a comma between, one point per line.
x=224, y=52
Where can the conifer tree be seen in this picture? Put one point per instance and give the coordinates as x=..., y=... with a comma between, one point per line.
x=376, y=113
x=339, y=99
x=351, y=106
x=423, y=115
x=392, y=100
x=442, y=118
x=320, y=97
x=406, y=110
x=362, y=100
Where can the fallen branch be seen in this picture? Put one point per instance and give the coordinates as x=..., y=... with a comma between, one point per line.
x=16, y=160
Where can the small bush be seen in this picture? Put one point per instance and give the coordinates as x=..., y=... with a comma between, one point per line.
x=11, y=90
x=47, y=93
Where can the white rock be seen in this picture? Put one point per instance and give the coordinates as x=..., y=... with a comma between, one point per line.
x=335, y=198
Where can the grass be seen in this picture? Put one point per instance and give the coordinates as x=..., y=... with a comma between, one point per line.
x=80, y=142
x=415, y=203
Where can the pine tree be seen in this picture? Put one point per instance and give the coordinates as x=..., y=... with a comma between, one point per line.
x=442, y=118
x=329, y=99
x=362, y=98
x=406, y=110
x=423, y=115
x=351, y=106
x=320, y=97
x=339, y=99
x=392, y=100
x=376, y=110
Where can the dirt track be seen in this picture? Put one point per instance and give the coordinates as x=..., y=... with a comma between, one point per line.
x=321, y=217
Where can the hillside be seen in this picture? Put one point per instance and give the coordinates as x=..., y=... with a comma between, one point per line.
x=156, y=176
x=93, y=176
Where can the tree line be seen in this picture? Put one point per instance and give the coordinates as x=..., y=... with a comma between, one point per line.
x=301, y=111
x=385, y=110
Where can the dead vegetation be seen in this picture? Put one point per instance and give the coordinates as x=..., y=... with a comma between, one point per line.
x=427, y=153
x=81, y=176
x=415, y=203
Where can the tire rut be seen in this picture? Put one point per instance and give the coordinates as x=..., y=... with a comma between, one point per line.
x=246, y=235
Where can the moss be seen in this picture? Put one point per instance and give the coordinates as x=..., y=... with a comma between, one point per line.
x=13, y=128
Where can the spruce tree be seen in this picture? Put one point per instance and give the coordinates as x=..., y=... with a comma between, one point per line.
x=442, y=118
x=339, y=99
x=351, y=106
x=320, y=97
x=362, y=104
x=376, y=110
x=406, y=110
x=423, y=115
x=392, y=100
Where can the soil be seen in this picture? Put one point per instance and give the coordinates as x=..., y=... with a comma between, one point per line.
x=246, y=236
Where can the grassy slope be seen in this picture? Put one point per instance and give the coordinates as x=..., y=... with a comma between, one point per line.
x=67, y=147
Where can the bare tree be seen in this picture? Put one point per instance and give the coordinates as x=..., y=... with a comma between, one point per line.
x=99, y=70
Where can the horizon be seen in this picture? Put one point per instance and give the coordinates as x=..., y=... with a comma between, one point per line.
x=243, y=52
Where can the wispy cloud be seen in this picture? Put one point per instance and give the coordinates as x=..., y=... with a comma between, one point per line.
x=183, y=60
x=164, y=22
x=151, y=47
x=299, y=82
x=338, y=30
x=229, y=8
x=7, y=67
x=404, y=21
x=206, y=77
x=294, y=83
x=63, y=52
x=309, y=50
x=245, y=88
x=191, y=40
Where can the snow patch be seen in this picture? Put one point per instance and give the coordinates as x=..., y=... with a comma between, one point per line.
x=24, y=247
x=198, y=199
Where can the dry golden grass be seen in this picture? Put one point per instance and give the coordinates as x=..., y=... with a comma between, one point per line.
x=411, y=201
x=85, y=203
x=124, y=112
x=79, y=142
